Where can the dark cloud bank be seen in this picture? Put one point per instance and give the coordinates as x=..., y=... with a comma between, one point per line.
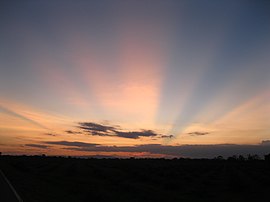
x=192, y=151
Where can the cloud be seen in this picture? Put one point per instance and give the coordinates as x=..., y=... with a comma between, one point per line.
x=90, y=126
x=115, y=131
x=265, y=142
x=96, y=129
x=50, y=134
x=192, y=151
x=136, y=134
x=166, y=136
x=197, y=133
x=40, y=146
x=72, y=144
x=73, y=132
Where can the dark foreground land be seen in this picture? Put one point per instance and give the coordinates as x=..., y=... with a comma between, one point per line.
x=52, y=179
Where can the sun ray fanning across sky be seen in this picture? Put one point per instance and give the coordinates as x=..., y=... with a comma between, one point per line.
x=142, y=78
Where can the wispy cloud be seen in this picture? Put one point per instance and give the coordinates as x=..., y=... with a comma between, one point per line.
x=40, y=146
x=96, y=129
x=198, y=133
x=72, y=144
x=136, y=134
x=166, y=136
x=50, y=134
x=73, y=132
x=115, y=131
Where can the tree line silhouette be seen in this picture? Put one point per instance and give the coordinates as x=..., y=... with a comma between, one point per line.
x=50, y=178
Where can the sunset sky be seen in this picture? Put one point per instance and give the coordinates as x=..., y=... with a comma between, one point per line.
x=146, y=78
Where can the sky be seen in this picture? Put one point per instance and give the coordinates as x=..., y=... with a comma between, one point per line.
x=123, y=78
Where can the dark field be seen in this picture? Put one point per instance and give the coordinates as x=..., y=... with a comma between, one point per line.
x=52, y=179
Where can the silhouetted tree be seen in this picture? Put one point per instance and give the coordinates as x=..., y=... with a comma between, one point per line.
x=232, y=158
x=267, y=157
x=241, y=158
x=253, y=157
x=219, y=158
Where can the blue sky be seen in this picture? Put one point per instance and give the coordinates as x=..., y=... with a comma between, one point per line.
x=176, y=68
